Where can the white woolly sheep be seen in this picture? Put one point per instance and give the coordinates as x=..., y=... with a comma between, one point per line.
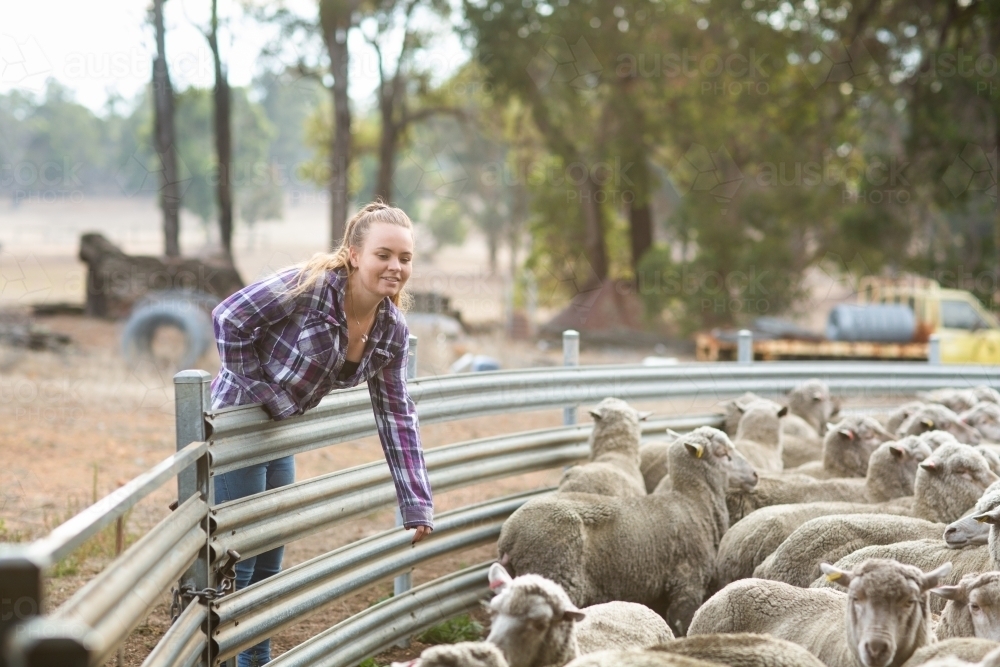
x=985, y=418
x=952, y=398
x=827, y=539
x=973, y=608
x=613, y=469
x=653, y=460
x=759, y=437
x=936, y=438
x=810, y=408
x=956, y=652
x=847, y=446
x=946, y=485
x=732, y=650
x=900, y=414
x=535, y=624
x=967, y=531
x=881, y=620
x=938, y=417
x=462, y=654
x=891, y=473
x=731, y=411
x=658, y=550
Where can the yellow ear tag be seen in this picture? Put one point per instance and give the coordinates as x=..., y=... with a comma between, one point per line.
x=982, y=519
x=833, y=576
x=701, y=450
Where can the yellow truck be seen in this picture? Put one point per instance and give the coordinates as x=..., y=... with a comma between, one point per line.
x=967, y=331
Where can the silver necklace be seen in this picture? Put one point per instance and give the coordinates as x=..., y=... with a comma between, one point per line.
x=364, y=336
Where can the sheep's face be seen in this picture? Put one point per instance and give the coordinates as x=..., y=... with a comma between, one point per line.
x=963, y=463
x=977, y=598
x=717, y=450
x=616, y=427
x=985, y=418
x=966, y=532
x=811, y=400
x=849, y=444
x=888, y=615
x=529, y=615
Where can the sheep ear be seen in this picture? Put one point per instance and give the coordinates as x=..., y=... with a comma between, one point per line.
x=835, y=574
x=930, y=465
x=673, y=434
x=499, y=577
x=949, y=592
x=897, y=452
x=783, y=411
x=847, y=433
x=696, y=448
x=934, y=577
x=596, y=414
x=741, y=408
x=929, y=423
x=992, y=517
x=644, y=415
x=574, y=615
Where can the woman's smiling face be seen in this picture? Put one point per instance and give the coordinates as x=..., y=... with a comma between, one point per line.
x=385, y=261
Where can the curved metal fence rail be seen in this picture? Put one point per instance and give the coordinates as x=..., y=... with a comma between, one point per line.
x=187, y=547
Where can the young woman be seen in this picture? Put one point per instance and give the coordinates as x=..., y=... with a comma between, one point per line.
x=289, y=339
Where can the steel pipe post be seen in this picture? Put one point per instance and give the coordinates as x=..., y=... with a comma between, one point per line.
x=934, y=349
x=571, y=357
x=21, y=594
x=404, y=582
x=744, y=346
x=191, y=401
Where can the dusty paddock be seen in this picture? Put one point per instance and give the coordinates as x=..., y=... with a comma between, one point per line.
x=77, y=424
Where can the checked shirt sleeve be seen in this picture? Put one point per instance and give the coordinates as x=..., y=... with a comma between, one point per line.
x=236, y=321
x=399, y=431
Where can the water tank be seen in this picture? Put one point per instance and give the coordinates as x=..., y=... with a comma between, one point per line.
x=878, y=323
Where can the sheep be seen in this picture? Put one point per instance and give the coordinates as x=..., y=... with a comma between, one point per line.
x=810, y=408
x=759, y=437
x=880, y=621
x=946, y=485
x=933, y=416
x=973, y=608
x=653, y=460
x=658, y=550
x=732, y=413
x=536, y=625
x=613, y=469
x=936, y=438
x=847, y=446
x=955, y=653
x=734, y=650
x=891, y=472
x=900, y=414
x=952, y=398
x=985, y=418
x=462, y=654
x=830, y=538
x=967, y=531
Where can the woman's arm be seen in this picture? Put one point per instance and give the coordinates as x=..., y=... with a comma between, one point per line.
x=236, y=320
x=399, y=431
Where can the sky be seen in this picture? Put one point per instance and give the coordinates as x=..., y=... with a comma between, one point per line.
x=106, y=46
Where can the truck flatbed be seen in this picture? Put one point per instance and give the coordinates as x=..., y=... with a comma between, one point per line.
x=709, y=347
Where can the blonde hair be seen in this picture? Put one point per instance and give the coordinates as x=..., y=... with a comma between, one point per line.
x=316, y=268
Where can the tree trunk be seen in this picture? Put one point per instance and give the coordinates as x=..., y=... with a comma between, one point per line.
x=335, y=20
x=593, y=232
x=223, y=140
x=163, y=115
x=386, y=153
x=640, y=209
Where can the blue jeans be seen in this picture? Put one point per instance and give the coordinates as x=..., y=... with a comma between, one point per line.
x=240, y=484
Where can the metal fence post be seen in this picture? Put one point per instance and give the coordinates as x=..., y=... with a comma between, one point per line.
x=934, y=349
x=744, y=346
x=191, y=400
x=20, y=595
x=571, y=357
x=404, y=582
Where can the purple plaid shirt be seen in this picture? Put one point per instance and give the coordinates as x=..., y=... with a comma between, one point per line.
x=288, y=354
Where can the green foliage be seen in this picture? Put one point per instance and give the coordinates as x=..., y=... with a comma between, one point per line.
x=368, y=662
x=459, y=629
x=446, y=223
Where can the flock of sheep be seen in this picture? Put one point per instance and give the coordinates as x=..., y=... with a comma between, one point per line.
x=795, y=537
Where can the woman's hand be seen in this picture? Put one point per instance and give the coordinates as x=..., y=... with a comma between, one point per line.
x=421, y=533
